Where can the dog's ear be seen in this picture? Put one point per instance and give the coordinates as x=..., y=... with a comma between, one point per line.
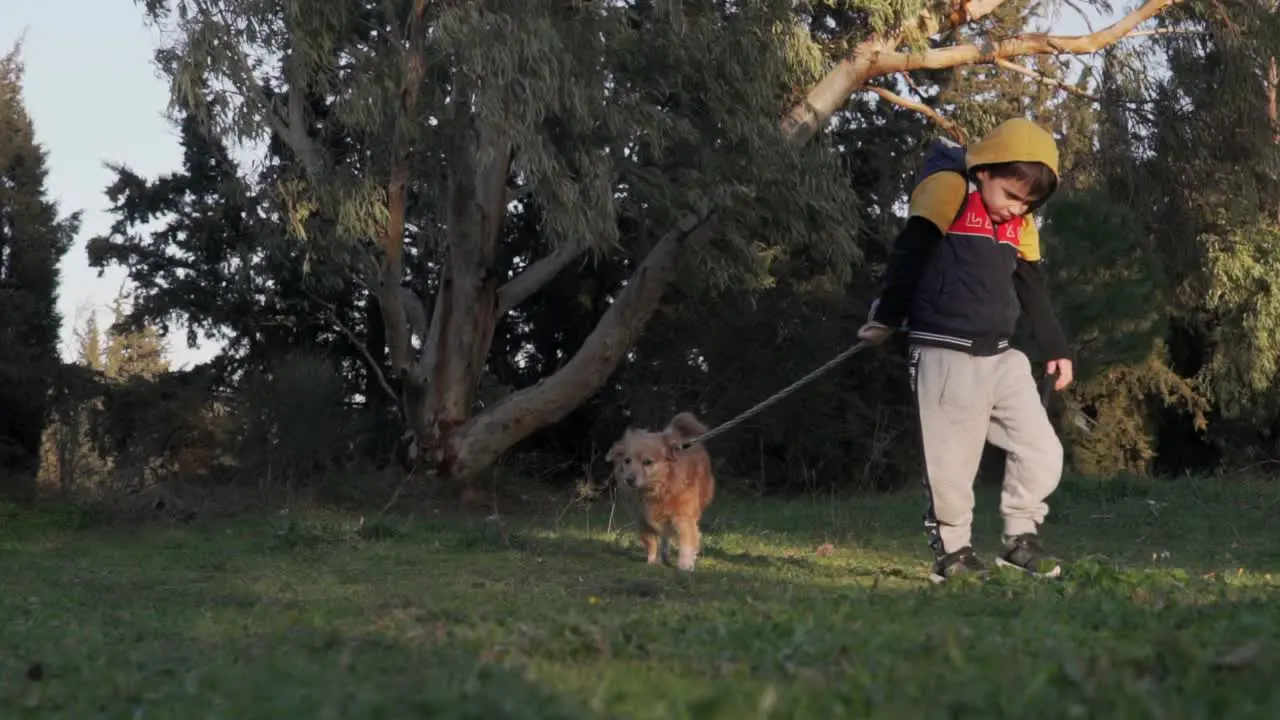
x=673, y=443
x=615, y=452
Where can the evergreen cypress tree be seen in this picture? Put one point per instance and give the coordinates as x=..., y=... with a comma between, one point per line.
x=32, y=242
x=133, y=351
x=90, y=352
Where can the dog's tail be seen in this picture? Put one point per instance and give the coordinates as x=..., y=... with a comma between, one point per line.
x=687, y=426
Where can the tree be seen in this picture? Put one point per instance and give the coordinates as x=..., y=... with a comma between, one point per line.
x=133, y=351
x=90, y=339
x=70, y=462
x=591, y=111
x=599, y=127
x=32, y=242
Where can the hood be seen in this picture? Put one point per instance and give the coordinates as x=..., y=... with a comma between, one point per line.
x=1016, y=140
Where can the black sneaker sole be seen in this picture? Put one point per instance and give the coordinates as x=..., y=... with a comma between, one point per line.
x=1055, y=573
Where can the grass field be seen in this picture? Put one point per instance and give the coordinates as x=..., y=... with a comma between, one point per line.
x=811, y=608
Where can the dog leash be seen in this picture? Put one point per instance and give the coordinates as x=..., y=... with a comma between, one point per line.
x=784, y=392
x=815, y=374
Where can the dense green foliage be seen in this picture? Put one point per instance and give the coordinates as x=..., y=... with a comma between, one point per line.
x=33, y=240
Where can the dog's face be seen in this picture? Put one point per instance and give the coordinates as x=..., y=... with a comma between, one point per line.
x=642, y=459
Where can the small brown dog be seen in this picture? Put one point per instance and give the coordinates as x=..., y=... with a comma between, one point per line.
x=674, y=485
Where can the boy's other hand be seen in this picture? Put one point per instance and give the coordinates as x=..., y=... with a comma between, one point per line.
x=874, y=333
x=1063, y=370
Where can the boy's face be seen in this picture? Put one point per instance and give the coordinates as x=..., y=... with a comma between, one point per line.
x=1005, y=198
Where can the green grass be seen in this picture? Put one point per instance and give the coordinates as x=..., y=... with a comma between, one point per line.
x=1169, y=611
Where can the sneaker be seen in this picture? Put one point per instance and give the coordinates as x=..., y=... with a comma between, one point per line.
x=960, y=562
x=1025, y=553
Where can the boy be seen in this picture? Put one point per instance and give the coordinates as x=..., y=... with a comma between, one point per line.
x=964, y=267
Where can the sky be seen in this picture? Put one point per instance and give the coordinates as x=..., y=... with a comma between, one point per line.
x=95, y=96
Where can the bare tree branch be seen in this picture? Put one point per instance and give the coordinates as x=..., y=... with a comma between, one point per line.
x=915, y=88
x=1273, y=101
x=289, y=122
x=1027, y=44
x=533, y=278
x=1043, y=80
x=359, y=345
x=291, y=125
x=803, y=120
x=415, y=311
x=878, y=56
x=1162, y=31
x=950, y=127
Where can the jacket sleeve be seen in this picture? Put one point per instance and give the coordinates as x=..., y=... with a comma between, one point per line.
x=934, y=205
x=911, y=249
x=1033, y=295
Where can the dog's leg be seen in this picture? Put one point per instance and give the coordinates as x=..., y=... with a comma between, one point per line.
x=650, y=540
x=690, y=541
x=666, y=544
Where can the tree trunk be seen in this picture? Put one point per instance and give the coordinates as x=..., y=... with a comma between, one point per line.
x=391, y=298
x=1273, y=109
x=466, y=306
x=377, y=346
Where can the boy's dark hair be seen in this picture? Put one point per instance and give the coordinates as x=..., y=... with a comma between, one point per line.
x=1040, y=179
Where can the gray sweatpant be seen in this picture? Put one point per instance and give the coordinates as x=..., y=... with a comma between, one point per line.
x=965, y=401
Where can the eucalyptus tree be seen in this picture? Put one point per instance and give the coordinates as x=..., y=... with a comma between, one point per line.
x=594, y=112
